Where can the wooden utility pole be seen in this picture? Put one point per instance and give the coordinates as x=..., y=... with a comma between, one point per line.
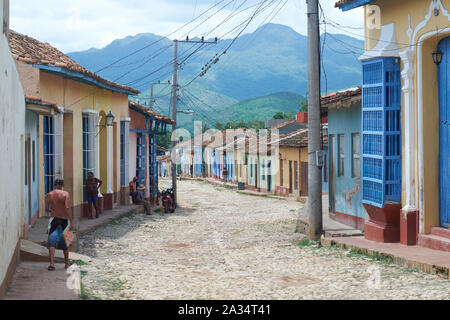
x=314, y=204
x=174, y=116
x=175, y=88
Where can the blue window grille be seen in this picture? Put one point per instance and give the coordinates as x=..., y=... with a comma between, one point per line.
x=381, y=129
x=124, y=153
x=88, y=148
x=140, y=158
x=153, y=166
x=49, y=153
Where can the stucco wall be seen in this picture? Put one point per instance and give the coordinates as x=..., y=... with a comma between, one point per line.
x=31, y=131
x=12, y=128
x=348, y=193
x=415, y=23
x=78, y=97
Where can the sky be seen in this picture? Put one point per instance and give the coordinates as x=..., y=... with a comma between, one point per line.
x=78, y=25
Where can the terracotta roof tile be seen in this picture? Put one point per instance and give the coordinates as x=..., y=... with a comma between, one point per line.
x=151, y=112
x=32, y=51
x=340, y=96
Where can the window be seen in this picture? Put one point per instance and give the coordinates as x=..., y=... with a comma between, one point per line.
x=296, y=175
x=356, y=141
x=381, y=131
x=341, y=141
x=34, y=161
x=140, y=158
x=88, y=147
x=52, y=151
x=263, y=173
x=124, y=147
x=281, y=173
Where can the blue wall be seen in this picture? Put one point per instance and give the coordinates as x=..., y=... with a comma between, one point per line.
x=348, y=193
x=31, y=128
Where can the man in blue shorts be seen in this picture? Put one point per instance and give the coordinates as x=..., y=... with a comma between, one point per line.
x=92, y=186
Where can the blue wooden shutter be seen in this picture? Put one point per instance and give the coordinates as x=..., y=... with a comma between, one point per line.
x=381, y=126
x=153, y=166
x=140, y=158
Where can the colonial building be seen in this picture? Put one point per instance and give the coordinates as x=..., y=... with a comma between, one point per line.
x=83, y=137
x=344, y=130
x=12, y=157
x=144, y=126
x=405, y=120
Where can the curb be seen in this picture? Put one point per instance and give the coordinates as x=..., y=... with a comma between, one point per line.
x=403, y=262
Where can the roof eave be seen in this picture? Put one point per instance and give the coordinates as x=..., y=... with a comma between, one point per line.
x=354, y=4
x=82, y=78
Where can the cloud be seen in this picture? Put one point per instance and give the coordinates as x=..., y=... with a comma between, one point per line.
x=76, y=25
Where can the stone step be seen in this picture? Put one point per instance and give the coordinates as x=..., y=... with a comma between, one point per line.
x=33, y=252
x=434, y=242
x=441, y=232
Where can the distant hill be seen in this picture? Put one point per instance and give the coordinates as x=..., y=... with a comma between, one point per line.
x=270, y=60
x=264, y=108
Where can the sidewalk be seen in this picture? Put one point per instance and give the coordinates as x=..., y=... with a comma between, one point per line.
x=32, y=281
x=411, y=257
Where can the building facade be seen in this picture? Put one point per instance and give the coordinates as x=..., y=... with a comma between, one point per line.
x=12, y=157
x=85, y=136
x=405, y=160
x=344, y=139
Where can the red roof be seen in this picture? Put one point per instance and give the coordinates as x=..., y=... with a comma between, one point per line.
x=32, y=51
x=339, y=96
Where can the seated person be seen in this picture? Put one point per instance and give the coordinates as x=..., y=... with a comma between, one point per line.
x=140, y=200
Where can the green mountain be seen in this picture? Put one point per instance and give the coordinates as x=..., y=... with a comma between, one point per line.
x=264, y=108
x=270, y=60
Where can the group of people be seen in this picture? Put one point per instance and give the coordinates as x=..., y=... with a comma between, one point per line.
x=59, y=206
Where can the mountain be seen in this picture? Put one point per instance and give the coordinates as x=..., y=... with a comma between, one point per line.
x=264, y=108
x=272, y=59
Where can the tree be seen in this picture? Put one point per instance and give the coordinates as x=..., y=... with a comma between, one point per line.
x=219, y=126
x=303, y=106
x=279, y=115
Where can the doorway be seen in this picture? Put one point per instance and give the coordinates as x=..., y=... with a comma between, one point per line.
x=444, y=134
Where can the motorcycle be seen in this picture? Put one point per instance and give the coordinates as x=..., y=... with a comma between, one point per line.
x=167, y=198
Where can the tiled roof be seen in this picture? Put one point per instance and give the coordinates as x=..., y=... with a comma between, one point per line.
x=40, y=101
x=151, y=112
x=341, y=96
x=356, y=3
x=342, y=2
x=32, y=51
x=164, y=158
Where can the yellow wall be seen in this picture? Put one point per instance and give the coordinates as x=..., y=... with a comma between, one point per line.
x=397, y=12
x=290, y=154
x=77, y=97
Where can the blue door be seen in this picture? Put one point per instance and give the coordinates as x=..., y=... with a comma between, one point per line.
x=444, y=134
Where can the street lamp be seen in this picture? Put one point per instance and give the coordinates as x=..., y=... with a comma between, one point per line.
x=108, y=123
x=437, y=56
x=110, y=119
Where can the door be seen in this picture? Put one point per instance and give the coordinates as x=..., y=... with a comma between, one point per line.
x=269, y=177
x=332, y=177
x=304, y=173
x=290, y=178
x=28, y=181
x=444, y=134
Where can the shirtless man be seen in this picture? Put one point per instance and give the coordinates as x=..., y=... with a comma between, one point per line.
x=58, y=204
x=92, y=186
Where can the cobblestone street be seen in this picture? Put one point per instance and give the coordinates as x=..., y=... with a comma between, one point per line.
x=224, y=245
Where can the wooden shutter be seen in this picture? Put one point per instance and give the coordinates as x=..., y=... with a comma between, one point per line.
x=381, y=167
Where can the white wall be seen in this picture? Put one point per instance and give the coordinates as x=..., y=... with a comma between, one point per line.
x=12, y=128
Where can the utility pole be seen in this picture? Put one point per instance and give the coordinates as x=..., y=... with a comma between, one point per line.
x=152, y=87
x=175, y=87
x=174, y=116
x=314, y=204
